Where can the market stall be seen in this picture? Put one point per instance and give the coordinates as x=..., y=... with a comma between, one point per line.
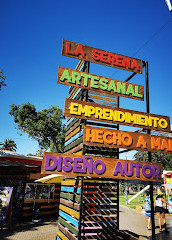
x=45, y=196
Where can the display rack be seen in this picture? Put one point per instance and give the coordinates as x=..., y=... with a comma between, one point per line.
x=5, y=202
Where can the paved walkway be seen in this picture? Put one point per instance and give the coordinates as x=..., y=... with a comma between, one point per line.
x=137, y=223
x=47, y=230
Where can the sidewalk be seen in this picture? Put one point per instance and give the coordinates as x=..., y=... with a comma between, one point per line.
x=137, y=222
x=47, y=230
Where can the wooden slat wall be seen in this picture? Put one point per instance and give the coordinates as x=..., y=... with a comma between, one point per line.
x=68, y=221
x=74, y=127
x=99, y=98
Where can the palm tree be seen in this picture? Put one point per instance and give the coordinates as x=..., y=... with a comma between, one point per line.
x=9, y=144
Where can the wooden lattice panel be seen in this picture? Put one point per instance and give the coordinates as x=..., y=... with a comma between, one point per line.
x=99, y=217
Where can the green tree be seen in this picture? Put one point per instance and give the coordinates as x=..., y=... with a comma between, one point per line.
x=9, y=144
x=163, y=158
x=39, y=153
x=3, y=79
x=44, y=126
x=30, y=155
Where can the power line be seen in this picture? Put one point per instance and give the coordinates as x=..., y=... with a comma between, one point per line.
x=150, y=39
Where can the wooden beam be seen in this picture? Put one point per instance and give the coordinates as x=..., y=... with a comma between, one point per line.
x=66, y=232
x=67, y=217
x=69, y=211
x=68, y=225
x=69, y=204
x=70, y=196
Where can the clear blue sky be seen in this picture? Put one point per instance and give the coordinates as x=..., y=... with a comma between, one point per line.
x=31, y=42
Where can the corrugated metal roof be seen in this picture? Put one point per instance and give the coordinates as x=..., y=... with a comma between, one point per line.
x=7, y=153
x=8, y=163
x=9, y=158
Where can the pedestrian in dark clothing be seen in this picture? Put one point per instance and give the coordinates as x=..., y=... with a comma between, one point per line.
x=160, y=211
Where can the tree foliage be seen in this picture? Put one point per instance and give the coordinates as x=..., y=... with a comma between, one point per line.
x=163, y=158
x=39, y=153
x=44, y=126
x=9, y=144
x=2, y=77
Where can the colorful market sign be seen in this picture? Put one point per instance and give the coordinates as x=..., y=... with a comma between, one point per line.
x=95, y=55
x=102, y=113
x=77, y=165
x=97, y=83
x=94, y=136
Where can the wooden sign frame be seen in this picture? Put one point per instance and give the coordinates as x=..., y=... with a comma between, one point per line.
x=102, y=113
x=71, y=165
x=94, y=136
x=100, y=84
x=95, y=55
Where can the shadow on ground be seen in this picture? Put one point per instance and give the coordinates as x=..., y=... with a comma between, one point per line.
x=24, y=226
x=163, y=235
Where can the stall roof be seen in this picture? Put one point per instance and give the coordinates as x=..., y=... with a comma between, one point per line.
x=9, y=158
x=167, y=173
x=53, y=178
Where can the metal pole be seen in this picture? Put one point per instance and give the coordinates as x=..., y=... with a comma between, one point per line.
x=118, y=183
x=126, y=194
x=81, y=209
x=87, y=65
x=149, y=153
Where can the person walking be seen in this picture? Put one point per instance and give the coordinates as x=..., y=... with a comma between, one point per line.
x=148, y=209
x=160, y=211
